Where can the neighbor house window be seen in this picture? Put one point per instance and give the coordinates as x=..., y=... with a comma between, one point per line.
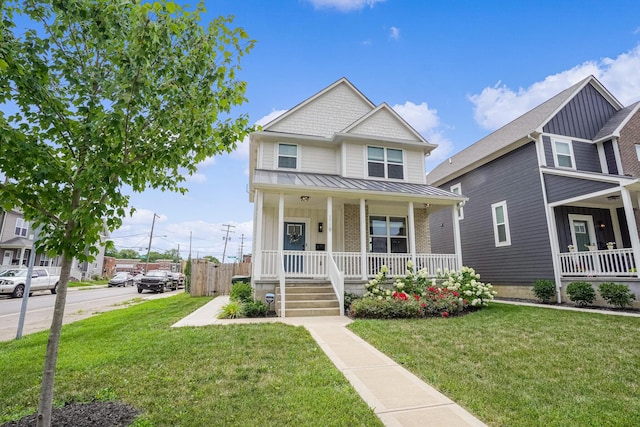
x=287, y=156
x=385, y=163
x=501, y=224
x=388, y=234
x=21, y=227
x=457, y=189
x=44, y=260
x=563, y=154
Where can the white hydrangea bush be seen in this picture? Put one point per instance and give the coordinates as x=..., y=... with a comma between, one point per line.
x=467, y=283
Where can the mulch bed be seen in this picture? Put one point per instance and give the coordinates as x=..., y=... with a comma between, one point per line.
x=95, y=414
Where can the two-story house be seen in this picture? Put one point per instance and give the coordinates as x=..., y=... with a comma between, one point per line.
x=16, y=242
x=552, y=195
x=339, y=190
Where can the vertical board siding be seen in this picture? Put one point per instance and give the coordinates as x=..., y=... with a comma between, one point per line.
x=548, y=151
x=562, y=187
x=624, y=227
x=610, y=156
x=583, y=116
x=564, y=228
x=586, y=156
x=514, y=178
x=441, y=230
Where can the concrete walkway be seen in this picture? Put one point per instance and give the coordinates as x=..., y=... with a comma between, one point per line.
x=398, y=397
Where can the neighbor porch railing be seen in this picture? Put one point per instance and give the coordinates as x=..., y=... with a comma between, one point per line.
x=309, y=264
x=614, y=262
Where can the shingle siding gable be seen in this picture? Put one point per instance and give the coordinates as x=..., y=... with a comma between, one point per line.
x=383, y=124
x=326, y=115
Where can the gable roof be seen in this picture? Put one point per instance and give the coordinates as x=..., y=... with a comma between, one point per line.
x=513, y=134
x=616, y=122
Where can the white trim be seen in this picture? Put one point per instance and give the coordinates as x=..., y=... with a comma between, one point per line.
x=631, y=223
x=553, y=136
x=616, y=154
x=586, y=196
x=257, y=240
x=591, y=230
x=637, y=146
x=385, y=163
x=457, y=241
x=592, y=176
x=569, y=143
x=603, y=158
x=460, y=209
x=542, y=158
x=411, y=233
x=507, y=232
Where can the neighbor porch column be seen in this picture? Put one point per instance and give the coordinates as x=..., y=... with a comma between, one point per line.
x=257, y=236
x=21, y=256
x=632, y=226
x=329, y=225
x=363, y=240
x=457, y=243
x=412, y=235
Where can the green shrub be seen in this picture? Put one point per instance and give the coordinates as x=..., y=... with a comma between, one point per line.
x=241, y=291
x=255, y=308
x=616, y=294
x=348, y=299
x=374, y=308
x=582, y=293
x=544, y=289
x=232, y=310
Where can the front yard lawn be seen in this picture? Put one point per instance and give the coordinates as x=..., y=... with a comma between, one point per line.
x=523, y=366
x=240, y=375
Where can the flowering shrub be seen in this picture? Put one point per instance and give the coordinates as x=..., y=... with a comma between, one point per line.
x=467, y=283
x=417, y=295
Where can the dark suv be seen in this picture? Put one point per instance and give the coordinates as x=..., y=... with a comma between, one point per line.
x=155, y=280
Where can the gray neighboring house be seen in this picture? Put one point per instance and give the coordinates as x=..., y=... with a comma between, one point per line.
x=554, y=195
x=16, y=241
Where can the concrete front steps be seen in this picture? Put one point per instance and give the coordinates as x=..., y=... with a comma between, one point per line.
x=309, y=299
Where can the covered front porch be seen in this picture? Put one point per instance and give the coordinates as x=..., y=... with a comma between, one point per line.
x=306, y=235
x=596, y=235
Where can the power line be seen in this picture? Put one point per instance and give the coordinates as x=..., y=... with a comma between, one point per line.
x=226, y=238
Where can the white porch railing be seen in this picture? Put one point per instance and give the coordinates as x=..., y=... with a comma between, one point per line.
x=337, y=281
x=309, y=264
x=614, y=262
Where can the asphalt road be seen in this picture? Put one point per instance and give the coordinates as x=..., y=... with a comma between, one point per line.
x=81, y=303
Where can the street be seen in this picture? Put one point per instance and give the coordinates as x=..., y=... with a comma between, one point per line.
x=81, y=303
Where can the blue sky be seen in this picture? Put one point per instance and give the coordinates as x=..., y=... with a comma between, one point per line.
x=455, y=70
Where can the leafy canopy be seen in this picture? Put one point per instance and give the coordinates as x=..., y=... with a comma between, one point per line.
x=96, y=95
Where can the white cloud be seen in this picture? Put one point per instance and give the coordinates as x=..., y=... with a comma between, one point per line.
x=394, y=33
x=197, y=178
x=242, y=149
x=344, y=5
x=427, y=123
x=497, y=105
x=209, y=161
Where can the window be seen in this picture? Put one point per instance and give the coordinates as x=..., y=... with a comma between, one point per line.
x=501, y=224
x=388, y=234
x=563, y=154
x=457, y=189
x=287, y=156
x=638, y=151
x=21, y=227
x=385, y=163
x=44, y=260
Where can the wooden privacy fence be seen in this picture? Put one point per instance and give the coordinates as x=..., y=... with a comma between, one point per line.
x=209, y=279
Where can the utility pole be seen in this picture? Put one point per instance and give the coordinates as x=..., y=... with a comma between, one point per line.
x=146, y=268
x=241, y=246
x=226, y=238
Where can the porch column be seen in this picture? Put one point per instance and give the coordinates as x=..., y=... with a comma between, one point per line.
x=329, y=225
x=457, y=243
x=257, y=236
x=412, y=235
x=363, y=240
x=632, y=226
x=280, y=257
x=280, y=225
x=555, y=248
x=21, y=256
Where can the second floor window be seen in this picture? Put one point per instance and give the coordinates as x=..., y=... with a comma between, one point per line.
x=385, y=163
x=287, y=156
x=563, y=154
x=21, y=227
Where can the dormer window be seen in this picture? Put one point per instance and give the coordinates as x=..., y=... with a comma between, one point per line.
x=563, y=154
x=287, y=156
x=385, y=163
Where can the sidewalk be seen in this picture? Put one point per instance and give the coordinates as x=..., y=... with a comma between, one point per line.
x=398, y=397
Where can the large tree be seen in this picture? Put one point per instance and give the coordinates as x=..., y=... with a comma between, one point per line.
x=97, y=96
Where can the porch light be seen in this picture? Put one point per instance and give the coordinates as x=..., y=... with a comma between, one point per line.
x=320, y=227
x=304, y=198
x=602, y=225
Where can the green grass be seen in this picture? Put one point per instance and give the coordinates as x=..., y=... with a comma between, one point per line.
x=241, y=375
x=523, y=366
x=85, y=283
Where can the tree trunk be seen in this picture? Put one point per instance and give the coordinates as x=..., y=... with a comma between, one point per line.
x=45, y=406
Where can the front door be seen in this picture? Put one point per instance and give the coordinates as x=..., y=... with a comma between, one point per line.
x=582, y=231
x=6, y=259
x=294, y=240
